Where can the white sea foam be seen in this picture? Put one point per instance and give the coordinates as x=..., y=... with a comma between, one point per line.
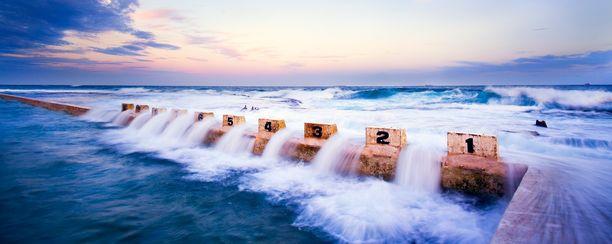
x=574, y=149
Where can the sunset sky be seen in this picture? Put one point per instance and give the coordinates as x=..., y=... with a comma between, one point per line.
x=179, y=42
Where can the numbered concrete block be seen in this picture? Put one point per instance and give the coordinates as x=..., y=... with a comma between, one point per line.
x=393, y=137
x=156, y=111
x=271, y=125
x=472, y=144
x=319, y=131
x=127, y=106
x=141, y=108
x=230, y=121
x=265, y=131
x=199, y=116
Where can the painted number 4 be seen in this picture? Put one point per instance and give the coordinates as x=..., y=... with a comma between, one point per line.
x=268, y=126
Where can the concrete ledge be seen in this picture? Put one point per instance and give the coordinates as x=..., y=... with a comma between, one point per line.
x=55, y=106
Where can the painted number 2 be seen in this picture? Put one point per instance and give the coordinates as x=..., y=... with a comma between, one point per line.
x=318, y=131
x=230, y=121
x=268, y=126
x=470, y=145
x=382, y=137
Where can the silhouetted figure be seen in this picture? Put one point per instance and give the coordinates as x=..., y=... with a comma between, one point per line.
x=541, y=123
x=254, y=108
x=245, y=108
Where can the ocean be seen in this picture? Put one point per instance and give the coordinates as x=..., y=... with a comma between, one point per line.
x=83, y=179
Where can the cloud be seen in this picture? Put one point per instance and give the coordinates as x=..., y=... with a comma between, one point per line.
x=162, y=13
x=589, y=60
x=37, y=27
x=39, y=23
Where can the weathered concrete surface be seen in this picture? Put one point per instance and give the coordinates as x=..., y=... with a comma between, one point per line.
x=199, y=116
x=230, y=121
x=156, y=111
x=393, y=137
x=302, y=149
x=55, y=106
x=141, y=107
x=265, y=130
x=319, y=131
x=479, y=176
x=379, y=161
x=484, y=146
x=127, y=106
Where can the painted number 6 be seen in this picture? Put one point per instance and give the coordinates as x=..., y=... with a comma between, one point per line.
x=318, y=131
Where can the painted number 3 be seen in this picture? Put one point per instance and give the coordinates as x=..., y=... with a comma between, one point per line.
x=382, y=136
x=318, y=131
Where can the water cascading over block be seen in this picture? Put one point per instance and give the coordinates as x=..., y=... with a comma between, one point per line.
x=200, y=116
x=127, y=106
x=472, y=144
x=265, y=131
x=382, y=149
x=472, y=166
x=230, y=121
x=319, y=131
x=156, y=111
x=141, y=108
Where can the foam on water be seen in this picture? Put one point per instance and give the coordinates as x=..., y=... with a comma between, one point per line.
x=140, y=120
x=122, y=118
x=199, y=130
x=574, y=150
x=338, y=155
x=273, y=149
x=235, y=141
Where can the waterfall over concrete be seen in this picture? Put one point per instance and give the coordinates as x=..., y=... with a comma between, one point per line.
x=274, y=147
x=339, y=156
x=177, y=127
x=122, y=118
x=156, y=124
x=100, y=115
x=140, y=120
x=199, y=130
x=234, y=141
x=418, y=168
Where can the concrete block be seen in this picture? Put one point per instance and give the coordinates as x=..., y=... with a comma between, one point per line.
x=127, y=106
x=230, y=121
x=392, y=137
x=141, y=108
x=199, y=116
x=265, y=131
x=319, y=131
x=472, y=144
x=156, y=111
x=480, y=176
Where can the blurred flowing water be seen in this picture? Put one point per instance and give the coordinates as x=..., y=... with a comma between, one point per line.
x=85, y=179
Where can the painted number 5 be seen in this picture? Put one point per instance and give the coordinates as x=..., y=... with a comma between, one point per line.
x=230, y=121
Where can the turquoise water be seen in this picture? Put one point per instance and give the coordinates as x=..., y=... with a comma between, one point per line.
x=67, y=179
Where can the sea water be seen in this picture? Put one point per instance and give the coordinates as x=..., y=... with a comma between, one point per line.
x=85, y=179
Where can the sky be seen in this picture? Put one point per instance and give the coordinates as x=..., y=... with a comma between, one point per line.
x=291, y=43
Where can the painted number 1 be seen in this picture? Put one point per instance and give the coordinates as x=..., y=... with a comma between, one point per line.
x=470, y=145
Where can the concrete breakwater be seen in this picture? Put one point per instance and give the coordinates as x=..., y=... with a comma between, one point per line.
x=471, y=166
